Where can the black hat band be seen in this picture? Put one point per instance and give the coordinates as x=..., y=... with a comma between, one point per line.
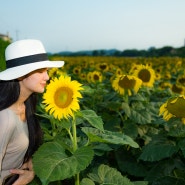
x=26, y=60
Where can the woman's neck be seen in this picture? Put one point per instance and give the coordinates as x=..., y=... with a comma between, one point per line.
x=19, y=109
x=19, y=106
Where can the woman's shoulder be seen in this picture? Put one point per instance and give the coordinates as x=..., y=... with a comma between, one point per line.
x=5, y=112
x=7, y=117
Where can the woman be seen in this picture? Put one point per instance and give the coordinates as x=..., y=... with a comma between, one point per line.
x=20, y=133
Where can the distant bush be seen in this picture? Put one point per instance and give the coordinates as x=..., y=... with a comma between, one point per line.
x=3, y=45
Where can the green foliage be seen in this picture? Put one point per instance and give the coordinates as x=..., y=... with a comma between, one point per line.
x=86, y=181
x=164, y=147
x=123, y=138
x=96, y=135
x=107, y=175
x=128, y=163
x=57, y=159
x=3, y=45
x=60, y=166
x=92, y=119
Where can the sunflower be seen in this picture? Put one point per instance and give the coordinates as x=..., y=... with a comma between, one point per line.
x=83, y=76
x=89, y=77
x=167, y=76
x=112, y=68
x=158, y=76
x=126, y=84
x=165, y=85
x=146, y=74
x=61, y=73
x=133, y=68
x=77, y=70
x=91, y=64
x=119, y=71
x=179, y=89
x=178, y=64
x=174, y=107
x=181, y=80
x=94, y=77
x=158, y=69
x=61, y=97
x=102, y=66
x=52, y=72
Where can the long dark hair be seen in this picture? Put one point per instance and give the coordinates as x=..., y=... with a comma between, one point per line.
x=9, y=94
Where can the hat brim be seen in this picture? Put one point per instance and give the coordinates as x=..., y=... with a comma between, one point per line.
x=19, y=71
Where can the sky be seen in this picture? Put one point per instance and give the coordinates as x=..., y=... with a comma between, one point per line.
x=77, y=25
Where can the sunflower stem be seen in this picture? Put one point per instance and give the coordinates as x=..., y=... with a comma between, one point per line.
x=77, y=179
x=70, y=135
x=125, y=97
x=74, y=135
x=121, y=118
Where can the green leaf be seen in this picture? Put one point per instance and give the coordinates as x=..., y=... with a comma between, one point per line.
x=140, y=183
x=96, y=135
x=113, y=121
x=93, y=119
x=158, y=149
x=177, y=129
x=86, y=181
x=169, y=181
x=126, y=108
x=110, y=176
x=113, y=105
x=87, y=90
x=141, y=117
x=44, y=115
x=35, y=181
x=129, y=164
x=65, y=123
x=101, y=148
x=181, y=144
x=51, y=163
x=167, y=171
x=130, y=128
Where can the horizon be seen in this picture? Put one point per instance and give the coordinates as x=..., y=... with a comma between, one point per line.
x=116, y=49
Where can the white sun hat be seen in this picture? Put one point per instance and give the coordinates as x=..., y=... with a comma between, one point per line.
x=25, y=56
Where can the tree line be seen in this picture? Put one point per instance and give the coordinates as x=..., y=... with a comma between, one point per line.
x=166, y=51
x=3, y=45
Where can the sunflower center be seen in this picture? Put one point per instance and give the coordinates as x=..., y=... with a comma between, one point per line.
x=77, y=71
x=63, y=97
x=96, y=77
x=103, y=66
x=177, y=89
x=182, y=80
x=144, y=75
x=177, y=108
x=126, y=83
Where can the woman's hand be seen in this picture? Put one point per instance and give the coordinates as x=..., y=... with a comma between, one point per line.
x=26, y=173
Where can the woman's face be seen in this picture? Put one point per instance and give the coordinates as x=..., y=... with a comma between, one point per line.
x=36, y=81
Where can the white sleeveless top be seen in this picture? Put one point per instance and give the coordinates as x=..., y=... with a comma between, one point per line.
x=13, y=142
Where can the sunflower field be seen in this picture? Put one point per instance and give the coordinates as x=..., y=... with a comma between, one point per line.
x=113, y=121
